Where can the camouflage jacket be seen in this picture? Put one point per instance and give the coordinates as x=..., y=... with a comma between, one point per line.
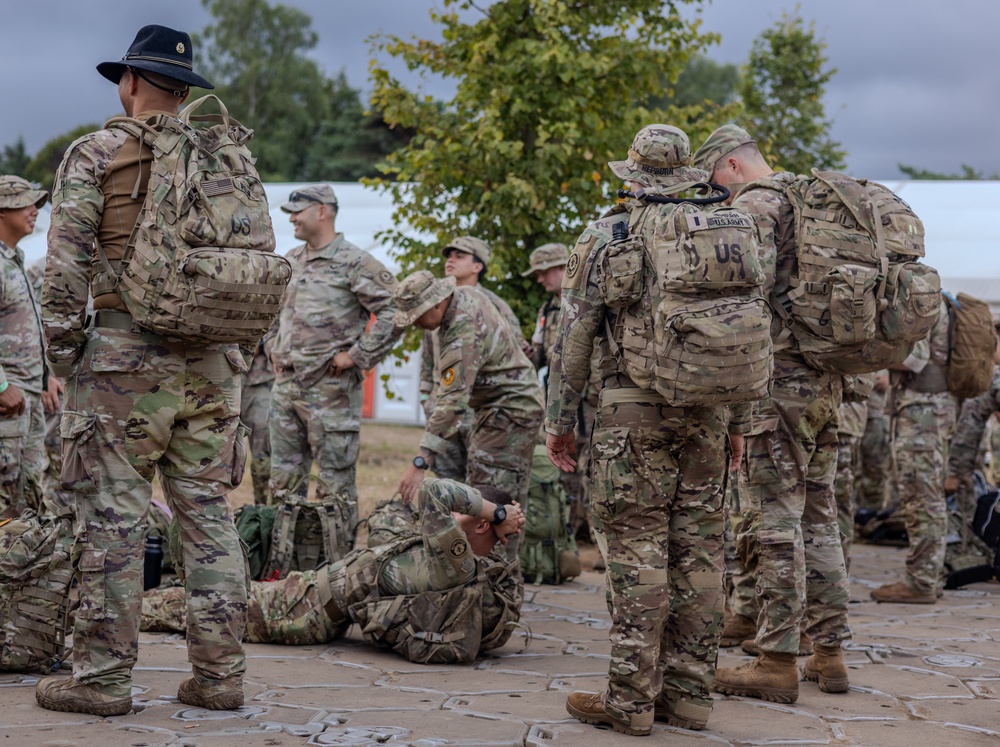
x=543, y=340
x=583, y=323
x=326, y=309
x=482, y=366
x=21, y=340
x=969, y=431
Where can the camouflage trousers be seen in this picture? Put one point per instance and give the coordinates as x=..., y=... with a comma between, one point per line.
x=742, y=525
x=139, y=404
x=790, y=466
x=320, y=421
x=848, y=458
x=920, y=435
x=657, y=507
x=875, y=463
x=254, y=412
x=22, y=457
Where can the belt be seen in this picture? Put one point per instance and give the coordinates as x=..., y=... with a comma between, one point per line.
x=630, y=395
x=113, y=319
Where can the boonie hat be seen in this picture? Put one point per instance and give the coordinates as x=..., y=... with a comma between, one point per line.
x=158, y=49
x=418, y=293
x=719, y=144
x=660, y=156
x=314, y=194
x=546, y=257
x=16, y=193
x=476, y=247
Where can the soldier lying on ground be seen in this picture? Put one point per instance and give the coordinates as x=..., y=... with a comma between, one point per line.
x=430, y=589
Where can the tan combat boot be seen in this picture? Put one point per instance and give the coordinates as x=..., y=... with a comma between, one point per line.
x=900, y=593
x=737, y=629
x=66, y=694
x=215, y=695
x=683, y=713
x=771, y=676
x=589, y=708
x=826, y=666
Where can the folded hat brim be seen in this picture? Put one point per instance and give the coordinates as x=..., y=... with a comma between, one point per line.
x=438, y=292
x=113, y=71
x=628, y=171
x=297, y=207
x=36, y=197
x=544, y=266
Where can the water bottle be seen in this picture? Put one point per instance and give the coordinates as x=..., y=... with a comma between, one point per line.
x=153, y=562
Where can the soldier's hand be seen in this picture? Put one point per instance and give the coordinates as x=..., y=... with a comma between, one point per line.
x=561, y=450
x=410, y=484
x=50, y=397
x=11, y=402
x=341, y=362
x=736, y=442
x=512, y=524
x=951, y=484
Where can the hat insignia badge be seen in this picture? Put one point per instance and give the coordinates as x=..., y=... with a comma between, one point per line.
x=180, y=47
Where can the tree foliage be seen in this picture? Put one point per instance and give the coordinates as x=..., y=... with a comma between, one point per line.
x=43, y=166
x=966, y=174
x=547, y=91
x=782, y=92
x=14, y=159
x=701, y=80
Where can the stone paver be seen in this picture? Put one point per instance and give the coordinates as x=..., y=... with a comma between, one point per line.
x=919, y=676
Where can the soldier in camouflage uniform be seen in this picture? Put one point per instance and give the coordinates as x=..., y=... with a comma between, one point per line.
x=853, y=417
x=875, y=463
x=22, y=370
x=138, y=404
x=458, y=527
x=657, y=492
x=255, y=411
x=923, y=415
x=466, y=260
x=791, y=461
x=481, y=367
x=320, y=351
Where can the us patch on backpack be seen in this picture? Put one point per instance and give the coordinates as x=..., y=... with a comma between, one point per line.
x=200, y=264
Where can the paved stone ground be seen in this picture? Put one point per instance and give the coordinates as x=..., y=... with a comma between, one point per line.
x=927, y=676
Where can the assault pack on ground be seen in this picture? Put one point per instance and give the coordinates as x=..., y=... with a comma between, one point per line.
x=255, y=525
x=200, y=264
x=304, y=536
x=692, y=321
x=548, y=551
x=860, y=298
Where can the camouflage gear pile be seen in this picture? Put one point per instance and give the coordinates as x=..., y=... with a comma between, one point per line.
x=315, y=414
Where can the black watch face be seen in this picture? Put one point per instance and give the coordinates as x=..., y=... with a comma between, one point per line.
x=499, y=515
x=420, y=463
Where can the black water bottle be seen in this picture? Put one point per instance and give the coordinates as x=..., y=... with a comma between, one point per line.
x=153, y=562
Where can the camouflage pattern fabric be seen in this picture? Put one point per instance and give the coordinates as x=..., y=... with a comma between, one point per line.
x=656, y=503
x=875, y=462
x=316, y=415
x=742, y=552
x=969, y=430
x=254, y=412
x=137, y=404
x=853, y=417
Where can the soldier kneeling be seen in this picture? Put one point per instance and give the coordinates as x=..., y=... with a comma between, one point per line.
x=429, y=585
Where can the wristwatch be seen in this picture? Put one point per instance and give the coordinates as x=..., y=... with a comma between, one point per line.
x=499, y=515
x=420, y=463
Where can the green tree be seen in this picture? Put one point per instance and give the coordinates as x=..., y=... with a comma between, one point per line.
x=782, y=92
x=43, y=166
x=14, y=159
x=701, y=80
x=966, y=174
x=547, y=91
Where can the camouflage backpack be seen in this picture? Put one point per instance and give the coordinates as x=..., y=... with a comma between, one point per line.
x=973, y=342
x=200, y=264
x=693, y=324
x=36, y=570
x=548, y=551
x=304, y=537
x=255, y=525
x=860, y=298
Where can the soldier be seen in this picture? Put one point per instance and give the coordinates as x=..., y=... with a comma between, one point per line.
x=875, y=462
x=791, y=461
x=138, y=404
x=658, y=486
x=22, y=421
x=320, y=351
x=254, y=412
x=547, y=265
x=451, y=545
x=481, y=367
x=922, y=418
x=853, y=417
x=466, y=259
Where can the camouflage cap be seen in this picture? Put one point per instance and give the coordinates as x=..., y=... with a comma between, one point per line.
x=16, y=193
x=476, y=247
x=660, y=156
x=302, y=198
x=418, y=293
x=720, y=143
x=546, y=257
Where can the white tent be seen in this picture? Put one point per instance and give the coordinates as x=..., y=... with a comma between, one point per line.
x=963, y=243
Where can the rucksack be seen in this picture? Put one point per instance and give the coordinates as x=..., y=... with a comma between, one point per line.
x=391, y=520
x=304, y=537
x=255, y=525
x=693, y=323
x=200, y=263
x=859, y=298
x=36, y=570
x=548, y=549
x=973, y=344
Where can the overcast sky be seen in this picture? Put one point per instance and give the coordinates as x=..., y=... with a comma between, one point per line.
x=917, y=80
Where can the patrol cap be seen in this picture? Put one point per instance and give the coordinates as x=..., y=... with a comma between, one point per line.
x=158, y=49
x=16, y=193
x=546, y=257
x=300, y=199
x=418, y=293
x=476, y=247
x=719, y=144
x=660, y=156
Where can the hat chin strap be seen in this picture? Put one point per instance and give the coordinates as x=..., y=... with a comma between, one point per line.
x=178, y=92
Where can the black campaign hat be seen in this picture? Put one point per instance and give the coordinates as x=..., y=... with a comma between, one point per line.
x=157, y=49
